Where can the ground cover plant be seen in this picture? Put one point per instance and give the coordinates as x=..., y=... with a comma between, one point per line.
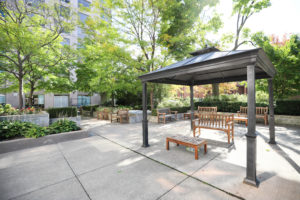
x=15, y=129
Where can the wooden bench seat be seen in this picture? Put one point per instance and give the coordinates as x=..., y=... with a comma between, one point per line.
x=192, y=142
x=261, y=112
x=166, y=113
x=221, y=122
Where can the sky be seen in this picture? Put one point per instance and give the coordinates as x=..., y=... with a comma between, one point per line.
x=282, y=17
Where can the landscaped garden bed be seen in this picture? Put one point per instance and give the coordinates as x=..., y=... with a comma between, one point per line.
x=32, y=115
x=18, y=129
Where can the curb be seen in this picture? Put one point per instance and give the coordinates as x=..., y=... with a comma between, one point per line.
x=24, y=143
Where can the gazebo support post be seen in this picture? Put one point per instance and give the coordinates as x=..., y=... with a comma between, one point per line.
x=192, y=104
x=271, y=112
x=251, y=134
x=145, y=120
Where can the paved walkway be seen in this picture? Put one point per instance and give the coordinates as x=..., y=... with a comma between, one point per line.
x=109, y=163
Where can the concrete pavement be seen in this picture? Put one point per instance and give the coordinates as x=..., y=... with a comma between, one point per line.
x=109, y=163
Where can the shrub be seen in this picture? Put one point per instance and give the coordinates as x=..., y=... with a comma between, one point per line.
x=179, y=109
x=287, y=107
x=12, y=129
x=91, y=108
x=62, y=112
x=226, y=106
x=61, y=126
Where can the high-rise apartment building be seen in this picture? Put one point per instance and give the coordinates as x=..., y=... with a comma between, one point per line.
x=75, y=98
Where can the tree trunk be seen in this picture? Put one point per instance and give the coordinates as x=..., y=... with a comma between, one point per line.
x=151, y=98
x=113, y=99
x=21, y=105
x=31, y=96
x=215, y=89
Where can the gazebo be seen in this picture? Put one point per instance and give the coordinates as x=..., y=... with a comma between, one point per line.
x=210, y=65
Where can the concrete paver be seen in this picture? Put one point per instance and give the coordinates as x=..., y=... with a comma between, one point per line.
x=192, y=189
x=133, y=178
x=92, y=153
x=30, y=176
x=65, y=190
x=108, y=162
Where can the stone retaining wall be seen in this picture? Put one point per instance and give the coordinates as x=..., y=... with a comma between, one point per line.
x=41, y=119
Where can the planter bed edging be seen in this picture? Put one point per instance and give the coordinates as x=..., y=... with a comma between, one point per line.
x=24, y=143
x=41, y=119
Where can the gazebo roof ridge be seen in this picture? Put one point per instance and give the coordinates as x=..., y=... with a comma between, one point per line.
x=213, y=67
x=204, y=51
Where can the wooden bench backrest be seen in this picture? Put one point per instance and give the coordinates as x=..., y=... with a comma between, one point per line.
x=164, y=110
x=259, y=110
x=215, y=120
x=207, y=109
x=123, y=112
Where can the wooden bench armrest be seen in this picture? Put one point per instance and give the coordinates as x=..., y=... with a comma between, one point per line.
x=231, y=122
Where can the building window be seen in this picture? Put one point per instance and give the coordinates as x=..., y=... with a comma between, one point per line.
x=61, y=101
x=83, y=3
x=64, y=11
x=41, y=99
x=83, y=100
x=82, y=17
x=66, y=41
x=66, y=1
x=34, y=2
x=2, y=99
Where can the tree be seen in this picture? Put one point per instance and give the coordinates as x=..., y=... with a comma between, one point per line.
x=49, y=70
x=285, y=57
x=244, y=10
x=161, y=30
x=25, y=29
x=105, y=66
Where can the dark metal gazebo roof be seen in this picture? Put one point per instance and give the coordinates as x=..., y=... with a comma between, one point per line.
x=213, y=66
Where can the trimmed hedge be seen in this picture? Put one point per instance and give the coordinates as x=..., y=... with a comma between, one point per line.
x=91, y=108
x=179, y=109
x=226, y=106
x=287, y=107
x=62, y=112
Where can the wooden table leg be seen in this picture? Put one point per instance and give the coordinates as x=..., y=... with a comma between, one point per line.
x=196, y=152
x=205, y=148
x=167, y=144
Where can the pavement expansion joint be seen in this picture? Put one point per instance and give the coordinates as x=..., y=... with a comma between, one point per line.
x=188, y=175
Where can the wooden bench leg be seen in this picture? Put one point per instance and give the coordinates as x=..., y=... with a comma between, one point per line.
x=196, y=152
x=167, y=144
x=205, y=148
x=177, y=144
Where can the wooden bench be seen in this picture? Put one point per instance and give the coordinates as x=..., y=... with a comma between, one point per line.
x=103, y=114
x=192, y=142
x=205, y=109
x=221, y=122
x=200, y=109
x=120, y=116
x=261, y=112
x=165, y=113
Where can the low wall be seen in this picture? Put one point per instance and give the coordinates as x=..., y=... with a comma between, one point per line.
x=41, y=119
x=287, y=120
x=136, y=116
x=74, y=119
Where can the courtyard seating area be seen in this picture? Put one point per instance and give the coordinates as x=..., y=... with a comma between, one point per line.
x=108, y=162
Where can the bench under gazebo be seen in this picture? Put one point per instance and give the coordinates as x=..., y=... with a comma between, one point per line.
x=209, y=66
